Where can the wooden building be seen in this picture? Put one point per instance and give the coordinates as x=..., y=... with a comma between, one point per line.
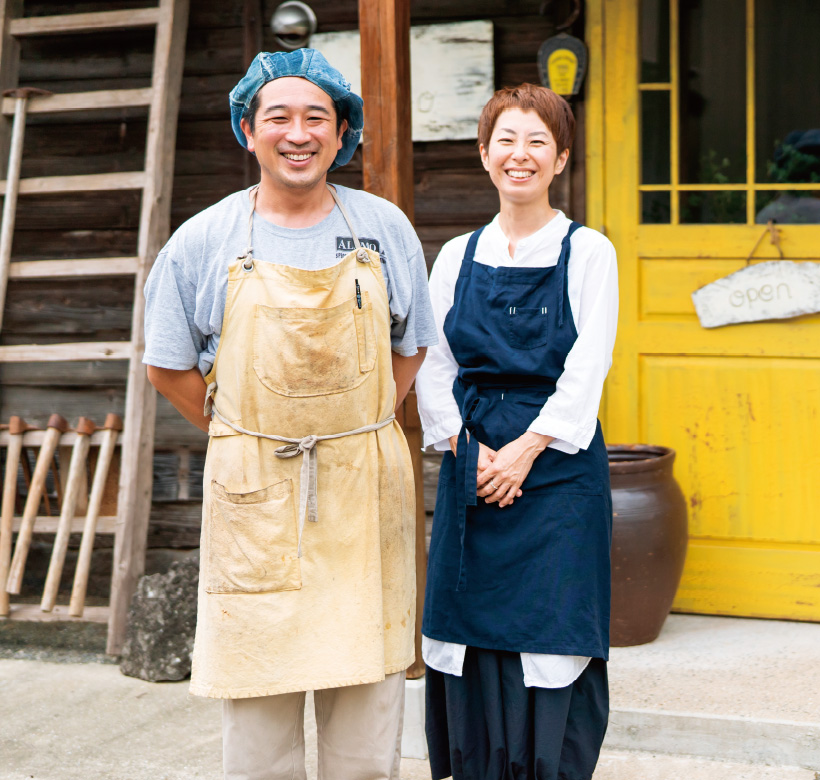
x=676, y=95
x=452, y=195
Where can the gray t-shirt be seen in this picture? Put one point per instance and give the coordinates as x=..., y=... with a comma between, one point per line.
x=185, y=292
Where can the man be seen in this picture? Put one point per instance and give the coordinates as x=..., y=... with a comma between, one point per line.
x=305, y=308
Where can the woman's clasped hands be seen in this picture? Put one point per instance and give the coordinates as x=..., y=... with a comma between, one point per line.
x=501, y=473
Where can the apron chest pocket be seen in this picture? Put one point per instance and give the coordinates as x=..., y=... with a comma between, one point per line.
x=527, y=328
x=252, y=541
x=308, y=352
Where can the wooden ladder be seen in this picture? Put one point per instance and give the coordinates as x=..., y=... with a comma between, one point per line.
x=170, y=19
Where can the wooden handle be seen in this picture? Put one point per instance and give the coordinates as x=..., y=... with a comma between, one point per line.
x=74, y=483
x=75, y=608
x=35, y=493
x=16, y=428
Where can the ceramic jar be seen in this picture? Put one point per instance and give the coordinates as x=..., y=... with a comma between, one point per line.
x=649, y=539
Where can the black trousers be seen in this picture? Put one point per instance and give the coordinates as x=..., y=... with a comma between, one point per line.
x=486, y=725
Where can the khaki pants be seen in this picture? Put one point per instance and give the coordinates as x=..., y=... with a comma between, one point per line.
x=358, y=729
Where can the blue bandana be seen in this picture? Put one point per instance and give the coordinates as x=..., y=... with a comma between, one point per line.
x=307, y=64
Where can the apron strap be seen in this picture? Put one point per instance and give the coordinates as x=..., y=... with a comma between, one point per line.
x=361, y=252
x=247, y=257
x=469, y=253
x=306, y=446
x=563, y=262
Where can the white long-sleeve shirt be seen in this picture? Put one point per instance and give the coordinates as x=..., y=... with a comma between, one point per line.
x=570, y=414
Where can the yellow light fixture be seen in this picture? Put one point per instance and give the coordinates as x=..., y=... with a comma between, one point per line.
x=562, y=64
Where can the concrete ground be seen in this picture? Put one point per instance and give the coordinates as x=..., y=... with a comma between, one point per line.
x=711, y=699
x=764, y=669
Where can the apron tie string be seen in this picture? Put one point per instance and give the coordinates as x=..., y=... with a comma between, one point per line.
x=308, y=489
x=209, y=400
x=466, y=466
x=308, y=495
x=473, y=408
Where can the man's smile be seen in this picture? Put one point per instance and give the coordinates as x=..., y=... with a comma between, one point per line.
x=298, y=156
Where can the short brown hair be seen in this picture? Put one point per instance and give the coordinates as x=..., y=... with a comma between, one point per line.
x=553, y=110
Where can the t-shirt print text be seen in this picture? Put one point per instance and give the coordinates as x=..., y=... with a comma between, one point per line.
x=345, y=245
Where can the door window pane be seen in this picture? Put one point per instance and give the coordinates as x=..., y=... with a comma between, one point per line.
x=787, y=95
x=655, y=208
x=655, y=150
x=788, y=208
x=712, y=207
x=712, y=91
x=654, y=41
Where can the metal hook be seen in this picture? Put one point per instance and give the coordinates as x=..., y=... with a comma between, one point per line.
x=570, y=20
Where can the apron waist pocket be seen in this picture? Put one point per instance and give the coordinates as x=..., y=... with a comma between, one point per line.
x=252, y=540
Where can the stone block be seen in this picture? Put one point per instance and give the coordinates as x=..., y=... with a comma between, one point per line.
x=161, y=623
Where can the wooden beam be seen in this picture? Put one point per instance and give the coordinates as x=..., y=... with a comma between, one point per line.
x=412, y=431
x=82, y=101
x=90, y=22
x=92, y=182
x=252, y=12
x=388, y=149
x=47, y=524
x=35, y=438
x=134, y=498
x=9, y=70
x=79, y=350
x=92, y=267
x=33, y=613
x=387, y=166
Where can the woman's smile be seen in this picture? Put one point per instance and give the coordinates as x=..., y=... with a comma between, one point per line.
x=518, y=173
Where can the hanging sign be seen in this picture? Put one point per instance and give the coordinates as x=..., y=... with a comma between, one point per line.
x=776, y=290
x=451, y=74
x=562, y=64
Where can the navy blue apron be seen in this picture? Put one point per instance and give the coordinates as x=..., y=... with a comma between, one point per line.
x=534, y=576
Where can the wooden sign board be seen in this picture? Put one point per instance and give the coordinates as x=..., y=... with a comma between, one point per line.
x=766, y=291
x=452, y=74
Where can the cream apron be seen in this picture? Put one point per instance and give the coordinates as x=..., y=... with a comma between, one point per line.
x=307, y=560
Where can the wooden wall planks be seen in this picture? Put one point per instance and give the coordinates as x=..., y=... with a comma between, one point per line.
x=452, y=194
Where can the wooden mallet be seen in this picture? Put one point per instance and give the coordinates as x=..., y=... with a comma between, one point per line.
x=74, y=483
x=111, y=430
x=17, y=427
x=57, y=426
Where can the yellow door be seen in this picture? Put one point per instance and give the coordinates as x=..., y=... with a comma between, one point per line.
x=703, y=122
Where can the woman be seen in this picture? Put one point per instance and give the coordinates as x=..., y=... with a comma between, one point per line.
x=516, y=616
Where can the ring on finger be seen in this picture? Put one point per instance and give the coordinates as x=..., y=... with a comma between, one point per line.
x=493, y=485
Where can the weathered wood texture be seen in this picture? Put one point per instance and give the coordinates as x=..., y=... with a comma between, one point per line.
x=387, y=150
x=452, y=193
x=387, y=167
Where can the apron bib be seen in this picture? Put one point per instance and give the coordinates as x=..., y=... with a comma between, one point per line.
x=308, y=533
x=534, y=576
